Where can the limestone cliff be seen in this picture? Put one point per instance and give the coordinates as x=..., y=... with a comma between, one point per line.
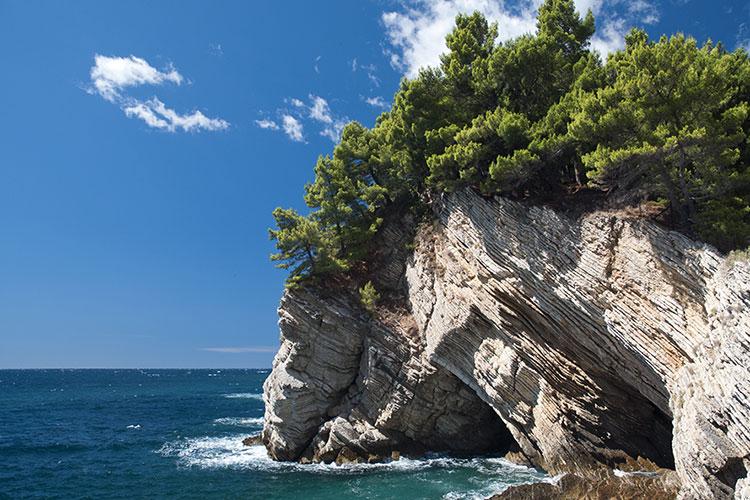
x=580, y=343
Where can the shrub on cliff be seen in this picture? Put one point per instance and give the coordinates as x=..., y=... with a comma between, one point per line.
x=666, y=121
x=369, y=297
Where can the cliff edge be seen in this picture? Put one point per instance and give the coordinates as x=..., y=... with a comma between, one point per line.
x=576, y=344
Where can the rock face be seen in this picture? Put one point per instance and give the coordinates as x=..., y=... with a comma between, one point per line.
x=585, y=343
x=346, y=388
x=711, y=396
x=600, y=485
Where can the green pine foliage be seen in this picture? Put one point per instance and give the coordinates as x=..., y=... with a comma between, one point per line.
x=664, y=120
x=369, y=297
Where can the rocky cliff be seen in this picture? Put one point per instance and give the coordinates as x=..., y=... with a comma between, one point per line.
x=578, y=344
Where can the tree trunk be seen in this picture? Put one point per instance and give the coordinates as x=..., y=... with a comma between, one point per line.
x=674, y=201
x=689, y=204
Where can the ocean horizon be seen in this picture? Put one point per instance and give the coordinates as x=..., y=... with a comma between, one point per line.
x=136, y=433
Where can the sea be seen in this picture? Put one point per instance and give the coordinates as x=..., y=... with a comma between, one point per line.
x=178, y=434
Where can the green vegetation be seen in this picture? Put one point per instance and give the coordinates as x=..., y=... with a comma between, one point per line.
x=664, y=121
x=738, y=256
x=369, y=297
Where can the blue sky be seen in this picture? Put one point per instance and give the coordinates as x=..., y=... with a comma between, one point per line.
x=136, y=187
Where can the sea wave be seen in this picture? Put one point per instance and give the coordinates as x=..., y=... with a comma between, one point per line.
x=240, y=422
x=244, y=395
x=228, y=452
x=216, y=452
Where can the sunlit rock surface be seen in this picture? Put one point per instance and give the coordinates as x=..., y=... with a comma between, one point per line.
x=587, y=343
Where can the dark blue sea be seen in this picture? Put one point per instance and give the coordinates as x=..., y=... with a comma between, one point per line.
x=177, y=434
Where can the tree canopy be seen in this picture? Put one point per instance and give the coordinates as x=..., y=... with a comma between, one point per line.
x=664, y=121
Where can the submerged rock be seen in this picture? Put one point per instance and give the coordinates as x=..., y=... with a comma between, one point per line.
x=605, y=485
x=252, y=440
x=583, y=344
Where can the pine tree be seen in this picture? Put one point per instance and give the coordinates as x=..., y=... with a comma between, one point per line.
x=668, y=125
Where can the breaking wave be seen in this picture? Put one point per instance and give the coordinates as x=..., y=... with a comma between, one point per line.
x=244, y=395
x=240, y=422
x=229, y=452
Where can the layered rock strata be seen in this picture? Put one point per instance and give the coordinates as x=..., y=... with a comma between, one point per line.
x=585, y=342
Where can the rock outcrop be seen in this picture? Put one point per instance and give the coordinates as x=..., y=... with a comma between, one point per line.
x=599, y=485
x=585, y=343
x=346, y=388
x=711, y=396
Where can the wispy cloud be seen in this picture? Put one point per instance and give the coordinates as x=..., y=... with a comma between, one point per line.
x=646, y=12
x=111, y=76
x=376, y=102
x=743, y=36
x=416, y=33
x=155, y=114
x=239, y=350
x=369, y=69
x=319, y=110
x=215, y=49
x=292, y=128
x=267, y=124
x=298, y=115
x=333, y=131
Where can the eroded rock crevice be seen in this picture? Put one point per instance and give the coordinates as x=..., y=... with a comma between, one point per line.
x=368, y=394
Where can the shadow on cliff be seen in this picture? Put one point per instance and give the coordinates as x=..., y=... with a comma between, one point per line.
x=589, y=395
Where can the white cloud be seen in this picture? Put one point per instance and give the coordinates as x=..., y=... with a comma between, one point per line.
x=156, y=115
x=369, y=69
x=643, y=11
x=319, y=110
x=609, y=38
x=376, y=102
x=215, y=49
x=417, y=33
x=583, y=6
x=292, y=128
x=743, y=37
x=333, y=131
x=316, y=113
x=267, y=124
x=372, y=75
x=110, y=75
x=238, y=350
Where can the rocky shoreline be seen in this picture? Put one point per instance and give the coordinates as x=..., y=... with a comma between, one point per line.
x=581, y=345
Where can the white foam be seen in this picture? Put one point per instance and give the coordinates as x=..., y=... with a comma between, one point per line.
x=216, y=452
x=136, y=426
x=496, y=480
x=244, y=395
x=240, y=422
x=229, y=452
